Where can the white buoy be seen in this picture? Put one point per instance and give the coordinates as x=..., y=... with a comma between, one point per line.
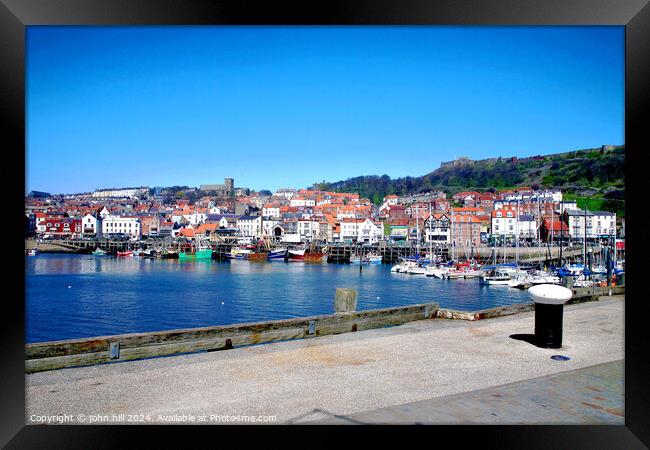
x=377, y=297
x=222, y=303
x=69, y=286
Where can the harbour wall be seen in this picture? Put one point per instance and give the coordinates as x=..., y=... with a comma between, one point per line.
x=337, y=252
x=51, y=355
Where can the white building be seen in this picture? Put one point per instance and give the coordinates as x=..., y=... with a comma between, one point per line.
x=308, y=230
x=302, y=201
x=195, y=218
x=125, y=225
x=250, y=226
x=91, y=225
x=361, y=230
x=268, y=225
x=599, y=224
x=504, y=221
x=526, y=226
x=391, y=200
x=572, y=205
x=104, y=213
x=548, y=195
x=436, y=229
x=121, y=192
x=286, y=193
x=271, y=210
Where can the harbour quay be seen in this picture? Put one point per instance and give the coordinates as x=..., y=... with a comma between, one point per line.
x=474, y=371
x=390, y=252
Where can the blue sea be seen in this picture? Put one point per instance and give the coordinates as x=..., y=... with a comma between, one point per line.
x=75, y=296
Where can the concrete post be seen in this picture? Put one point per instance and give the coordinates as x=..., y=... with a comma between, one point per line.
x=345, y=300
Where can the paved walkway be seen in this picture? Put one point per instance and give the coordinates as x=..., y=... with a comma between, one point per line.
x=590, y=396
x=342, y=375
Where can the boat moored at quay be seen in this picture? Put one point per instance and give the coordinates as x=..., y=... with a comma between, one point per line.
x=198, y=250
x=523, y=273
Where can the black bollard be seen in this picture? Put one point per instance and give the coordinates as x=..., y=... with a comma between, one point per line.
x=548, y=325
x=549, y=308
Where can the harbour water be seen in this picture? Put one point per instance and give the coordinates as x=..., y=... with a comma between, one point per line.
x=75, y=296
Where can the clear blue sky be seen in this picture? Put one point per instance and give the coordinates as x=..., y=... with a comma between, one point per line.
x=289, y=106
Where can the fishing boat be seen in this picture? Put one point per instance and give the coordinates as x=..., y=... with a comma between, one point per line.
x=170, y=254
x=296, y=255
x=32, y=252
x=98, y=251
x=278, y=253
x=313, y=257
x=126, y=253
x=201, y=250
x=149, y=253
x=137, y=252
x=258, y=256
x=260, y=253
x=238, y=253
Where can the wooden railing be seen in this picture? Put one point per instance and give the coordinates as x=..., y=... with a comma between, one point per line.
x=83, y=352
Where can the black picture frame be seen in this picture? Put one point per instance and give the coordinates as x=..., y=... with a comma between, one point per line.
x=15, y=15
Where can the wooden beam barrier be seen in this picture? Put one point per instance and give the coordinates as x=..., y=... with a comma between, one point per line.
x=580, y=295
x=105, y=349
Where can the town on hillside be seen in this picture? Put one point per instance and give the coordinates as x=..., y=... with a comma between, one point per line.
x=305, y=216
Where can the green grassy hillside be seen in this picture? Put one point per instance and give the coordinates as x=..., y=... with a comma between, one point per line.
x=594, y=174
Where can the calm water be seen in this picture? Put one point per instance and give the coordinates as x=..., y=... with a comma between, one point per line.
x=73, y=296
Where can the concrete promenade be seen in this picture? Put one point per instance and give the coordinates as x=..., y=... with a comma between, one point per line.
x=593, y=395
x=355, y=375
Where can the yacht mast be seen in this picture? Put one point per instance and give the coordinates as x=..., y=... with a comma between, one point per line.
x=417, y=233
x=517, y=237
x=430, y=241
x=453, y=241
x=584, y=250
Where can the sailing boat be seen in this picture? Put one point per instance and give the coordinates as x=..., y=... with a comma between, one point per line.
x=417, y=268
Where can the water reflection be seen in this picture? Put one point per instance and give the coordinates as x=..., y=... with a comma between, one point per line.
x=109, y=295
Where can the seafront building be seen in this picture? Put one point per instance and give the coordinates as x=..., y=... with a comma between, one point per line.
x=118, y=225
x=121, y=192
x=466, y=219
